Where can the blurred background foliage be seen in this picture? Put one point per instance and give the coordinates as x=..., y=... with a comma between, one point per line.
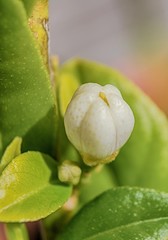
x=128, y=35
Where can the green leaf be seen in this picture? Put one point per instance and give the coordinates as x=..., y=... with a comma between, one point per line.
x=28, y=4
x=29, y=188
x=122, y=213
x=143, y=161
x=12, y=151
x=15, y=231
x=27, y=102
x=67, y=85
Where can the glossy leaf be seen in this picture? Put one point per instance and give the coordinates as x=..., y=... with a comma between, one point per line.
x=143, y=161
x=15, y=231
x=12, y=151
x=29, y=188
x=27, y=102
x=122, y=213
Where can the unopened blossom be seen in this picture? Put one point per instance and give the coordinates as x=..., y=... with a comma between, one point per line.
x=98, y=122
x=69, y=172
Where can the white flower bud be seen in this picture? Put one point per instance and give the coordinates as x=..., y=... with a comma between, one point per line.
x=98, y=122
